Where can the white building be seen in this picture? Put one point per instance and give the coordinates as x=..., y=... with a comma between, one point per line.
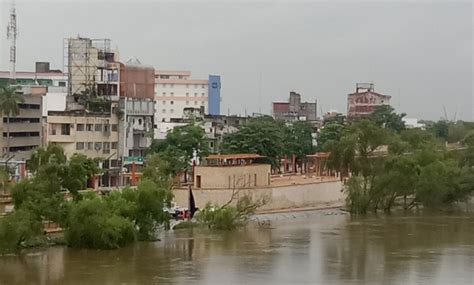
x=175, y=91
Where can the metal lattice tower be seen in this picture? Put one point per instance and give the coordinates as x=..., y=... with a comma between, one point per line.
x=12, y=33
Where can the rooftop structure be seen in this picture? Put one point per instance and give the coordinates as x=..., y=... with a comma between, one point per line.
x=364, y=100
x=231, y=171
x=294, y=109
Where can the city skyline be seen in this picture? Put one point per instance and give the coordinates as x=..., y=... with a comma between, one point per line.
x=419, y=53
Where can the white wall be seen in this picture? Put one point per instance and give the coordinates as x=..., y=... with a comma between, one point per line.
x=54, y=102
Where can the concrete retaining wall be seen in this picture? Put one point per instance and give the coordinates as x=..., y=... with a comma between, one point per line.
x=313, y=195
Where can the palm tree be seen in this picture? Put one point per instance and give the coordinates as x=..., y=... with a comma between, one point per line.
x=9, y=100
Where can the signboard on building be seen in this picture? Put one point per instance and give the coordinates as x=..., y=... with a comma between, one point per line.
x=131, y=159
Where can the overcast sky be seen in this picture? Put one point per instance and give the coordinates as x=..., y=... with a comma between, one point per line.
x=420, y=52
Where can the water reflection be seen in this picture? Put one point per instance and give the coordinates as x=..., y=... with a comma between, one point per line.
x=317, y=248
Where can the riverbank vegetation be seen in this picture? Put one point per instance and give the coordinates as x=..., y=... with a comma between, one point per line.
x=385, y=163
x=89, y=221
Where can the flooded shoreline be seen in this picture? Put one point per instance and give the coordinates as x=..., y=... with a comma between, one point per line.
x=311, y=247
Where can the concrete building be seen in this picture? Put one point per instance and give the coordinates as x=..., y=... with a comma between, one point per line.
x=231, y=171
x=137, y=83
x=175, y=91
x=217, y=126
x=25, y=129
x=413, y=123
x=294, y=109
x=54, y=80
x=93, y=71
x=92, y=134
x=364, y=100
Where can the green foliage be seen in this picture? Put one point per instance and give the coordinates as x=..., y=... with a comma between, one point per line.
x=261, y=135
x=440, y=129
x=299, y=139
x=384, y=116
x=176, y=151
x=150, y=202
x=228, y=217
x=43, y=156
x=17, y=230
x=93, y=224
x=9, y=100
x=330, y=132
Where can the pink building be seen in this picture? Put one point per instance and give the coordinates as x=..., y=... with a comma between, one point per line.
x=364, y=100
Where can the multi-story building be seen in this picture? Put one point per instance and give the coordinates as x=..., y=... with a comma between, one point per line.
x=295, y=110
x=137, y=83
x=364, y=100
x=26, y=128
x=92, y=134
x=55, y=81
x=175, y=91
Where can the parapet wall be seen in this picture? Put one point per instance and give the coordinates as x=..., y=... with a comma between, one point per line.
x=290, y=197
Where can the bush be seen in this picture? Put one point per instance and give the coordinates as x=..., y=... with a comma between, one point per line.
x=17, y=230
x=92, y=224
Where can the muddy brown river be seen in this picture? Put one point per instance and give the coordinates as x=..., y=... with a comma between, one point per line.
x=322, y=247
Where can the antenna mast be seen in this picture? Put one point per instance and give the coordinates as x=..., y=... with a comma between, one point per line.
x=12, y=32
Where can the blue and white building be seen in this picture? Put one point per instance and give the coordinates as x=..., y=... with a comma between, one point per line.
x=176, y=91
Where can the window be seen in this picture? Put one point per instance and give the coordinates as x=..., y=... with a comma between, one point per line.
x=187, y=94
x=98, y=127
x=202, y=94
x=140, y=122
x=80, y=127
x=80, y=146
x=65, y=129
x=106, y=128
x=172, y=94
x=106, y=147
x=195, y=86
x=164, y=85
x=164, y=77
x=114, y=128
x=164, y=93
x=203, y=86
x=195, y=94
x=90, y=145
x=89, y=127
x=187, y=103
x=114, y=145
x=98, y=146
x=172, y=102
x=164, y=102
x=171, y=85
x=195, y=102
x=163, y=111
x=171, y=111
x=202, y=103
x=62, y=83
x=163, y=120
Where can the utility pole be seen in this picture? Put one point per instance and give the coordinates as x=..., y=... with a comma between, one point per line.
x=12, y=32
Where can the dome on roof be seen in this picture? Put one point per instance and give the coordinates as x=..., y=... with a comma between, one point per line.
x=133, y=60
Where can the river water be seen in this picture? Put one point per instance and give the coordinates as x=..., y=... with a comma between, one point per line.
x=322, y=247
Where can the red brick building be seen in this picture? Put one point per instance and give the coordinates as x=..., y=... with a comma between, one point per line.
x=364, y=100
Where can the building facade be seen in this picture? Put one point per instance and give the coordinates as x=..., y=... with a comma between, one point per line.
x=175, y=91
x=294, y=109
x=25, y=129
x=364, y=100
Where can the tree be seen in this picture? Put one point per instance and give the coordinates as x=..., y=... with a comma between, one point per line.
x=92, y=224
x=9, y=100
x=299, y=139
x=330, y=132
x=17, y=229
x=42, y=156
x=385, y=116
x=261, y=135
x=180, y=146
x=440, y=129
